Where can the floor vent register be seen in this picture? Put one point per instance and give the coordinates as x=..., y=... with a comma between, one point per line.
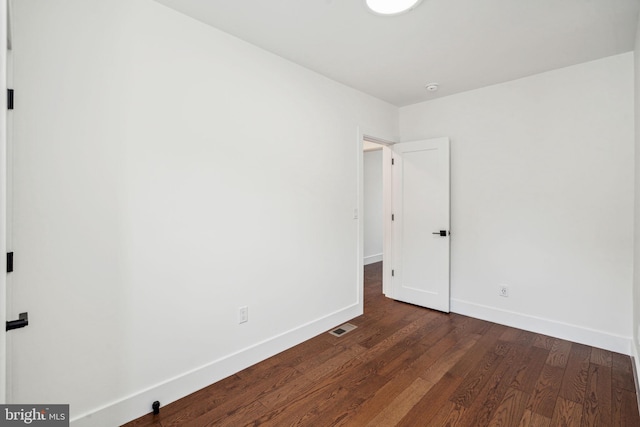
x=343, y=329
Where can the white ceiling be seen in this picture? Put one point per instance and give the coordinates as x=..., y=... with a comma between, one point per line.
x=461, y=44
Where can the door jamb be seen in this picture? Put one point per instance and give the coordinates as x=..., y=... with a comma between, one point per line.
x=364, y=135
x=5, y=14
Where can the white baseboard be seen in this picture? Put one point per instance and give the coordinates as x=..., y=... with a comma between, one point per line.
x=139, y=404
x=592, y=337
x=636, y=370
x=372, y=258
x=636, y=363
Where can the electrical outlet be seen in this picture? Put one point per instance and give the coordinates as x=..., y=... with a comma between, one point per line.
x=503, y=291
x=243, y=314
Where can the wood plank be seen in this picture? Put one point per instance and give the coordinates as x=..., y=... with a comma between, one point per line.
x=625, y=408
x=392, y=363
x=431, y=402
x=511, y=409
x=601, y=357
x=303, y=404
x=442, y=365
x=391, y=322
x=567, y=413
x=232, y=402
x=201, y=401
x=518, y=337
x=360, y=385
x=574, y=382
x=544, y=341
x=315, y=372
x=529, y=372
x=469, y=326
x=146, y=420
x=291, y=357
x=486, y=343
x=622, y=372
x=429, y=365
x=282, y=395
x=473, y=383
x=377, y=403
x=530, y=419
x=449, y=415
x=559, y=353
x=597, y=402
x=402, y=404
x=406, y=352
x=390, y=340
x=511, y=335
x=544, y=395
x=492, y=394
x=234, y=417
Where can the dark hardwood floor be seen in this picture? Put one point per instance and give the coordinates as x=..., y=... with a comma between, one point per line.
x=409, y=366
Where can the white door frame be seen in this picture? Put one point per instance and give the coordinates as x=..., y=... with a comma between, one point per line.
x=363, y=135
x=6, y=39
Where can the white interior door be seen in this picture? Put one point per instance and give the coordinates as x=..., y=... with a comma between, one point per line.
x=420, y=226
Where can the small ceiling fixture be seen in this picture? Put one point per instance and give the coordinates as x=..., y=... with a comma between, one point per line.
x=392, y=7
x=432, y=87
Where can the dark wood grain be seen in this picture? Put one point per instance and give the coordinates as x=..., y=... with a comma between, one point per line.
x=409, y=366
x=625, y=408
x=601, y=357
x=529, y=371
x=559, y=353
x=566, y=413
x=430, y=404
x=622, y=372
x=531, y=419
x=574, y=382
x=473, y=383
x=449, y=415
x=495, y=389
x=544, y=341
x=597, y=403
x=511, y=409
x=545, y=393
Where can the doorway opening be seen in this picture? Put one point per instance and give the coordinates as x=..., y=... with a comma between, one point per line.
x=374, y=204
x=415, y=253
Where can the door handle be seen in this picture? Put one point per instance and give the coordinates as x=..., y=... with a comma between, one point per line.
x=442, y=233
x=23, y=320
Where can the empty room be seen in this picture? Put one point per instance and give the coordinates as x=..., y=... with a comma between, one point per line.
x=320, y=212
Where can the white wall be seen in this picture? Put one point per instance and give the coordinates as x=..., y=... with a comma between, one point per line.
x=165, y=175
x=542, y=199
x=372, y=206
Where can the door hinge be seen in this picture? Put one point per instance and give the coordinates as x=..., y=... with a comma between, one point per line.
x=393, y=273
x=23, y=320
x=9, y=262
x=393, y=217
x=393, y=162
x=9, y=99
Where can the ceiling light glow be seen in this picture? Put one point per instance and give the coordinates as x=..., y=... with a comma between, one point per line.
x=391, y=7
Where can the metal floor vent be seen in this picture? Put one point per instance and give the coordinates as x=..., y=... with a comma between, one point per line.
x=343, y=329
